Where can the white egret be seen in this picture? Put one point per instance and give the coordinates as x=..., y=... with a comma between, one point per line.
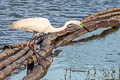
x=40, y=25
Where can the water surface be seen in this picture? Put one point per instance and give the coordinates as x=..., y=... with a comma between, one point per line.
x=100, y=52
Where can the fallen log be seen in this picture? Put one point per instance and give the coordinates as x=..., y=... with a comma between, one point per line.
x=18, y=45
x=105, y=14
x=13, y=58
x=10, y=68
x=9, y=50
x=38, y=72
x=90, y=27
x=14, y=62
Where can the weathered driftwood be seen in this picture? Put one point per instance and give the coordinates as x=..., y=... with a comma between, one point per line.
x=38, y=71
x=18, y=45
x=15, y=62
x=91, y=27
x=105, y=14
x=13, y=58
x=107, y=18
x=7, y=71
x=9, y=50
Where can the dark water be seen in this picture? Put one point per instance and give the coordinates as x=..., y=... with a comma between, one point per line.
x=99, y=53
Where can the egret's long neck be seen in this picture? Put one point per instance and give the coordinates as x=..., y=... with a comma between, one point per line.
x=53, y=29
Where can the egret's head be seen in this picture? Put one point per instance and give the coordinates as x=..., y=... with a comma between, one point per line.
x=74, y=22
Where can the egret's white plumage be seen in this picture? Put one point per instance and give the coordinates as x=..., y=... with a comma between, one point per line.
x=40, y=25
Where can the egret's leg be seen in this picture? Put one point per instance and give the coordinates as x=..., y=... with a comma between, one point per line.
x=35, y=41
x=34, y=50
x=29, y=43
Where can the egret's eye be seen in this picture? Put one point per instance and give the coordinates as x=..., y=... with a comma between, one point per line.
x=81, y=24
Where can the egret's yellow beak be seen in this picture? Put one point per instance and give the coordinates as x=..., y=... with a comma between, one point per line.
x=81, y=25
